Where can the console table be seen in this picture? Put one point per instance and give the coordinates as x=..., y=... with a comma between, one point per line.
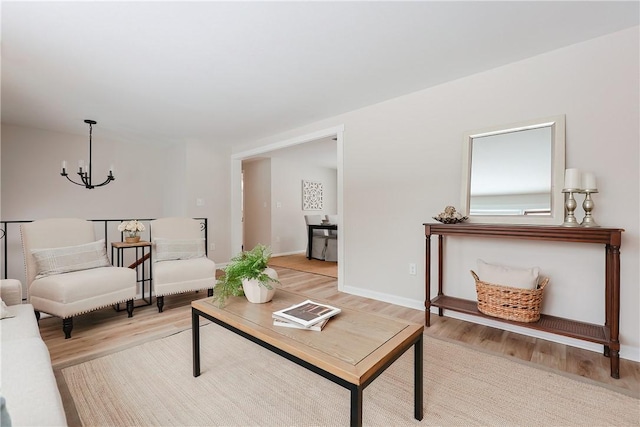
x=606, y=334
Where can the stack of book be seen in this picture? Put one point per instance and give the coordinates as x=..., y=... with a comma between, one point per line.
x=307, y=315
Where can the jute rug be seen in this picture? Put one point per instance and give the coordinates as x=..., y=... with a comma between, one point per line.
x=243, y=384
x=300, y=262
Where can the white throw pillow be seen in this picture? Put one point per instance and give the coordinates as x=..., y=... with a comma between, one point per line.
x=4, y=310
x=70, y=258
x=173, y=249
x=526, y=278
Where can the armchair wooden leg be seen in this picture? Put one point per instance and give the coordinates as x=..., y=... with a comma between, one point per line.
x=160, y=302
x=210, y=292
x=37, y=313
x=130, y=308
x=67, y=326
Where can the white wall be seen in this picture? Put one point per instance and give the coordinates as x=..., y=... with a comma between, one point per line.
x=151, y=182
x=289, y=231
x=32, y=187
x=402, y=164
x=175, y=166
x=208, y=172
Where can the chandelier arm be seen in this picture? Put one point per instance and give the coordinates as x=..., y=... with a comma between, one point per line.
x=72, y=181
x=108, y=180
x=86, y=178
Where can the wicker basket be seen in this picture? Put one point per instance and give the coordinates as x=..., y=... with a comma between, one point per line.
x=520, y=305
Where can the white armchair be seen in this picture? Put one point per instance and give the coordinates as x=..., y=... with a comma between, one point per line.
x=180, y=263
x=68, y=272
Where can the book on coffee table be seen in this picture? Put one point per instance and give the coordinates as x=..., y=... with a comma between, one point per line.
x=306, y=313
x=317, y=327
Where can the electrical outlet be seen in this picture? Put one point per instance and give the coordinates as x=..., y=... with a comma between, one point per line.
x=412, y=269
x=277, y=239
x=199, y=202
x=212, y=246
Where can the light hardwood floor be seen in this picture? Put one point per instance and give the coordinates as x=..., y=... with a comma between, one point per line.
x=105, y=331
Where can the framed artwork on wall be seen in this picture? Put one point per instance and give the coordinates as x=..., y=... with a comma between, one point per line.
x=312, y=196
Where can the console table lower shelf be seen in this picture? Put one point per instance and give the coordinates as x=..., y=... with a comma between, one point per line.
x=557, y=325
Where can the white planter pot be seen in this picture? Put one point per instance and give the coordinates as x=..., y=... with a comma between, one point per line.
x=257, y=293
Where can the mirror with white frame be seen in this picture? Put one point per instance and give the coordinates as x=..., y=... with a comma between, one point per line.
x=514, y=173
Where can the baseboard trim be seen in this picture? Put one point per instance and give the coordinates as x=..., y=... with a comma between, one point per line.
x=288, y=253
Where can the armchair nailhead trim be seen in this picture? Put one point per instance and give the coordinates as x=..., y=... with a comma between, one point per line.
x=88, y=311
x=184, y=290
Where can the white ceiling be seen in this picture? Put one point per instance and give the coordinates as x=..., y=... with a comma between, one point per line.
x=230, y=72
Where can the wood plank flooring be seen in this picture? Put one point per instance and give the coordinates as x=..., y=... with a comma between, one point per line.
x=105, y=331
x=301, y=263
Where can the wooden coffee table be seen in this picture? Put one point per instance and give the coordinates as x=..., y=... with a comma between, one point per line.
x=352, y=349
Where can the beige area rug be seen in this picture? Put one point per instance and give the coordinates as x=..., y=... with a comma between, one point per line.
x=300, y=262
x=243, y=384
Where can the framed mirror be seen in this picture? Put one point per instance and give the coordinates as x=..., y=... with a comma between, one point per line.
x=514, y=173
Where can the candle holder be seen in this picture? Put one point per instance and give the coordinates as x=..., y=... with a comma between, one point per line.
x=588, y=206
x=570, y=207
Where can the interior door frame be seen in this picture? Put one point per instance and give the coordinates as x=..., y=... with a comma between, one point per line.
x=236, y=191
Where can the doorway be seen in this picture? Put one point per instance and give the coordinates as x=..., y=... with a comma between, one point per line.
x=237, y=183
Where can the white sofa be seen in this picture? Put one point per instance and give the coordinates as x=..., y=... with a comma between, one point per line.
x=27, y=382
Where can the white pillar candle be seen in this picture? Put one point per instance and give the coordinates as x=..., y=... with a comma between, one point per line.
x=572, y=179
x=589, y=181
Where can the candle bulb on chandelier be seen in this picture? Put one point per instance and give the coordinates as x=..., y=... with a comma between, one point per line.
x=80, y=165
x=64, y=167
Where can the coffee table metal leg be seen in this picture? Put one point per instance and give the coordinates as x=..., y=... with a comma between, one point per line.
x=418, y=379
x=356, y=406
x=195, y=337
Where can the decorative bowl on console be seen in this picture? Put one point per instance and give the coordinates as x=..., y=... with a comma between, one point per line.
x=450, y=216
x=451, y=220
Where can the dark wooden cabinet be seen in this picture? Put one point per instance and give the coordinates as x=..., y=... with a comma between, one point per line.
x=606, y=334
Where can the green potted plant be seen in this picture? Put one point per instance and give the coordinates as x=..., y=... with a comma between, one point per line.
x=247, y=274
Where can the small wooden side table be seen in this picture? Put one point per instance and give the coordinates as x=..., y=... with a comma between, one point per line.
x=143, y=252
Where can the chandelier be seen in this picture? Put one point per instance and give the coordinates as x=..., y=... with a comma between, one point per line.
x=85, y=171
